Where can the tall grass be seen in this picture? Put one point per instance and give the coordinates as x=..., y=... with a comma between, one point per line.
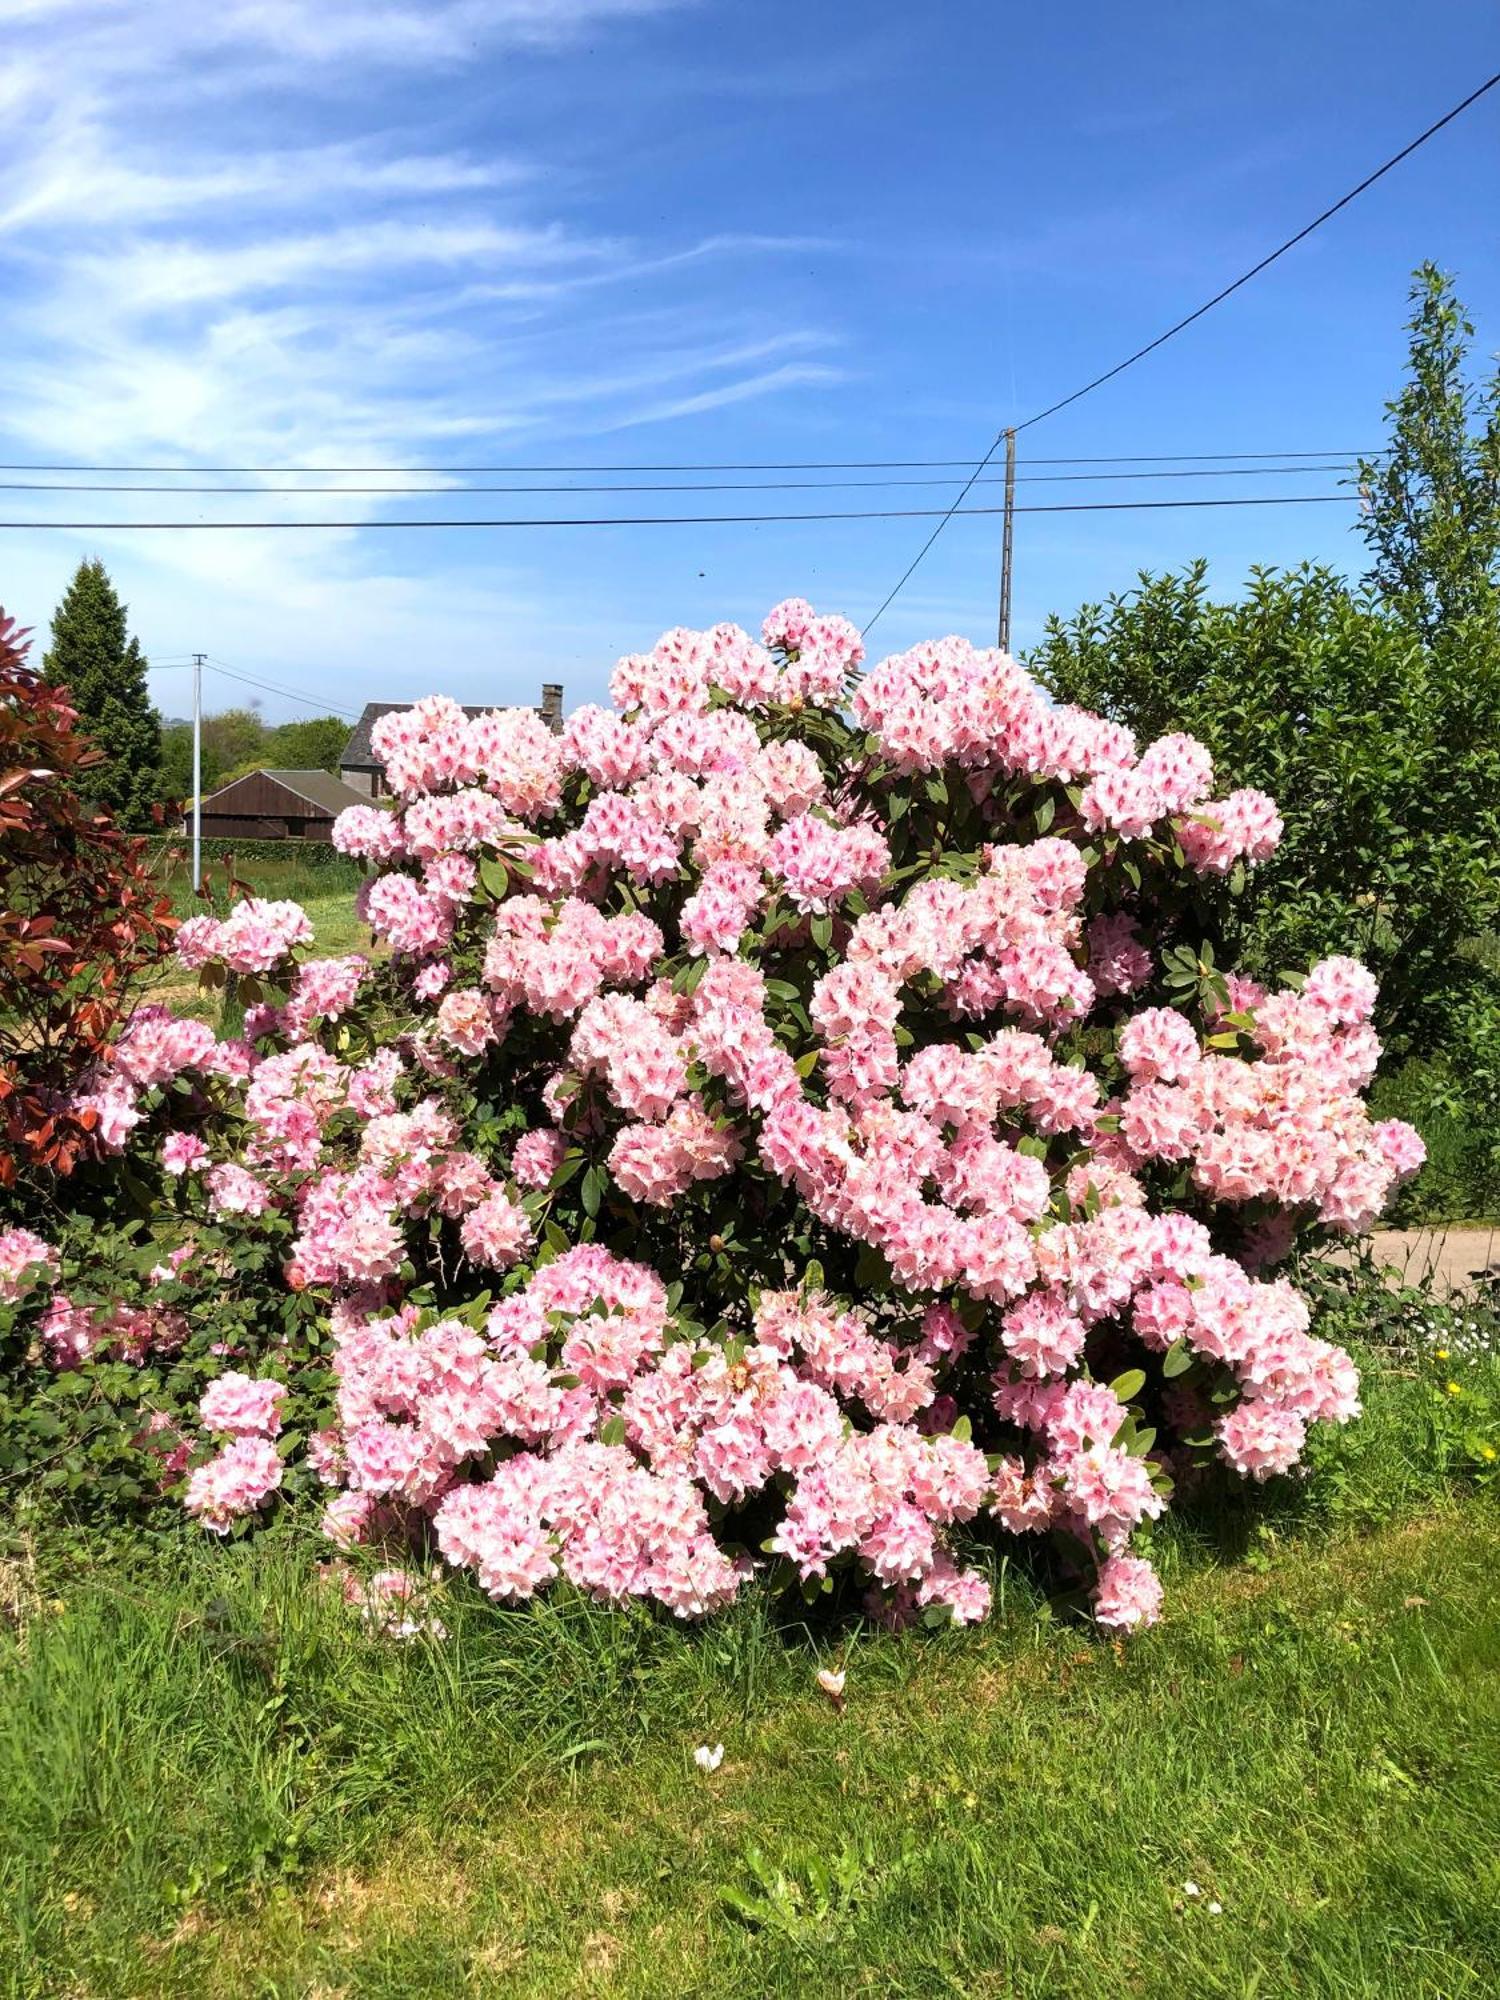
x=294, y=870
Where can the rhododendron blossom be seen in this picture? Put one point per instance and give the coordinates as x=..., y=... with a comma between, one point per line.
x=26, y=1261
x=765, y=1138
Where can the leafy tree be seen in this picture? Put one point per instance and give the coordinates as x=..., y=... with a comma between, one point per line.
x=1382, y=749
x=102, y=668
x=1433, y=498
x=233, y=738
x=175, y=782
x=237, y=741
x=313, y=745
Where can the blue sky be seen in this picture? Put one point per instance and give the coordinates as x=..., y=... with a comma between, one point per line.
x=425, y=232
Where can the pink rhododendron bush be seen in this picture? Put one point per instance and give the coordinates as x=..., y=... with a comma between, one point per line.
x=788, y=1123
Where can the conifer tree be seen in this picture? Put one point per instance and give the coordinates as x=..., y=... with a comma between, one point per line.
x=93, y=655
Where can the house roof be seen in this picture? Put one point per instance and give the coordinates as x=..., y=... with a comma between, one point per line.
x=320, y=789
x=360, y=756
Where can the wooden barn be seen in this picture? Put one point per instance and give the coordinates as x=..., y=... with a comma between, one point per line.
x=276, y=805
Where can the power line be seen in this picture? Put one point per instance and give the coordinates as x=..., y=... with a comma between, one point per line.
x=686, y=520
x=270, y=687
x=750, y=465
x=1171, y=332
x=267, y=687
x=748, y=486
x=1280, y=251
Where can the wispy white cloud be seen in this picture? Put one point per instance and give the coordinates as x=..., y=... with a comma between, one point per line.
x=792, y=375
x=74, y=178
x=241, y=235
x=432, y=32
x=153, y=274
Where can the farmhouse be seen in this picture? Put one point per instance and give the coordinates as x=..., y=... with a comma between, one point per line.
x=276, y=805
x=360, y=767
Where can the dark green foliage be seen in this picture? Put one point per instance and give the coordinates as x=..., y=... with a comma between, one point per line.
x=1461, y=1180
x=1382, y=750
x=94, y=657
x=97, y=1443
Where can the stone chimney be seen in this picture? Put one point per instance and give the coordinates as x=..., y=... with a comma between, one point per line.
x=552, y=705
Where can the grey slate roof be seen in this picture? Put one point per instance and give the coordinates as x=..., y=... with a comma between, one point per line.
x=359, y=756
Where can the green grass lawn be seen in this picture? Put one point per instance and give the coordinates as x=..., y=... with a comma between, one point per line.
x=218, y=1783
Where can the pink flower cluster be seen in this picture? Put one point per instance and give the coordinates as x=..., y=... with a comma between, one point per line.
x=253, y=938
x=752, y=974
x=26, y=1261
x=234, y=1483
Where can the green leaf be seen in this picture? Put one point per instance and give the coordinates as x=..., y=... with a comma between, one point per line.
x=822, y=930
x=1129, y=1384
x=1177, y=1360
x=1045, y=813
x=752, y=1910
x=495, y=876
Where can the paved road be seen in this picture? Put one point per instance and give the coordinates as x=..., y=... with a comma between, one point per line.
x=1446, y=1257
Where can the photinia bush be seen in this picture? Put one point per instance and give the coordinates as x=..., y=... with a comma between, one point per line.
x=82, y=926
x=785, y=1117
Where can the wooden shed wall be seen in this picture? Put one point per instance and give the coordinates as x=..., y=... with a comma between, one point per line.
x=268, y=826
x=259, y=807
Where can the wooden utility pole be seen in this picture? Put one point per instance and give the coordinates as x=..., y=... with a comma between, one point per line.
x=1007, y=539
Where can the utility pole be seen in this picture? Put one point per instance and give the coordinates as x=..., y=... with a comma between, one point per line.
x=1007, y=539
x=198, y=659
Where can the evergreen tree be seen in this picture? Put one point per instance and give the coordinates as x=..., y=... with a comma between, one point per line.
x=93, y=655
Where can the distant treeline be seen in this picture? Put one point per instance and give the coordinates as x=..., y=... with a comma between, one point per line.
x=238, y=741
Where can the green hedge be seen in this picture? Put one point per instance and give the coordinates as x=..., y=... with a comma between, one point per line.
x=311, y=855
